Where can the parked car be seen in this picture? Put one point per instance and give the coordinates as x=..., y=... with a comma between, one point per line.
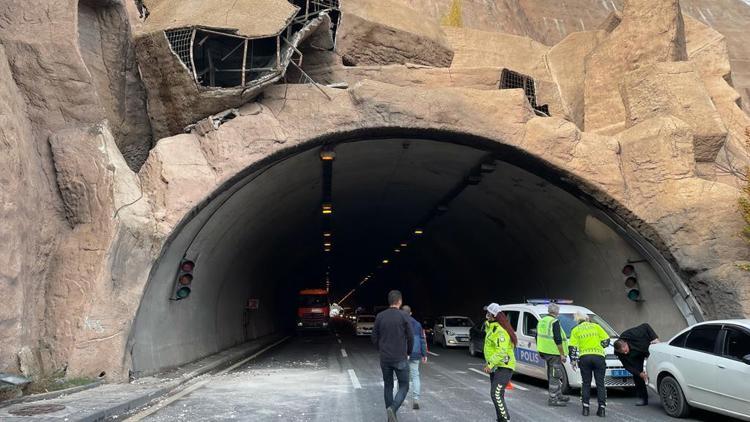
x=705, y=366
x=363, y=324
x=452, y=331
x=428, y=325
x=524, y=318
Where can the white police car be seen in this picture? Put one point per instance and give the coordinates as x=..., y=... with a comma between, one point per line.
x=524, y=318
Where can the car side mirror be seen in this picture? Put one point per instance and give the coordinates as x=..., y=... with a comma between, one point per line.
x=746, y=359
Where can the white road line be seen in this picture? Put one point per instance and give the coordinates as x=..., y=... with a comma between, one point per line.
x=150, y=411
x=520, y=387
x=343, y=353
x=433, y=353
x=339, y=340
x=355, y=380
x=478, y=371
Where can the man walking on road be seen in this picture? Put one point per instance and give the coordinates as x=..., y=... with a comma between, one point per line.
x=552, y=345
x=418, y=354
x=393, y=335
x=632, y=350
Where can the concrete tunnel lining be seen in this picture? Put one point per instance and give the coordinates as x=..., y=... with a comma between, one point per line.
x=264, y=225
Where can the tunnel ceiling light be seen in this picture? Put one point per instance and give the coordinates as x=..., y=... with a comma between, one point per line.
x=327, y=234
x=327, y=208
x=403, y=245
x=327, y=155
x=385, y=261
x=327, y=244
x=397, y=250
x=418, y=231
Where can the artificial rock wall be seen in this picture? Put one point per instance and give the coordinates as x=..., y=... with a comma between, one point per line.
x=83, y=230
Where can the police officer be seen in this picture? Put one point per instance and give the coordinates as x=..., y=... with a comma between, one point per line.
x=587, y=343
x=551, y=343
x=499, y=352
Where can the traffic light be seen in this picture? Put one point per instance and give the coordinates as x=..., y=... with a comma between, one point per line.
x=184, y=279
x=631, y=283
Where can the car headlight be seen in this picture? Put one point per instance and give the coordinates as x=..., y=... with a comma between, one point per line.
x=449, y=332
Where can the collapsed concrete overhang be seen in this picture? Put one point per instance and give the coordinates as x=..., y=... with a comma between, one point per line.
x=246, y=18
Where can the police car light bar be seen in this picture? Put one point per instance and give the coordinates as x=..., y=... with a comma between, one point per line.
x=548, y=301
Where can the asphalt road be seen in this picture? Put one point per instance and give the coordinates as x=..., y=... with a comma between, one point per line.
x=325, y=378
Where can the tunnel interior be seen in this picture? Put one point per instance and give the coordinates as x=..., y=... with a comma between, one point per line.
x=492, y=230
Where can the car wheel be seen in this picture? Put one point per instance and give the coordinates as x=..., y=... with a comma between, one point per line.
x=672, y=398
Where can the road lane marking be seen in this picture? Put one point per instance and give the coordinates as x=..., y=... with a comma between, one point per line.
x=355, y=380
x=478, y=371
x=433, y=353
x=158, y=406
x=520, y=387
x=343, y=353
x=339, y=340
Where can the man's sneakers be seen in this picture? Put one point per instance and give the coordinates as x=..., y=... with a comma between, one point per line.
x=601, y=412
x=391, y=415
x=586, y=410
x=415, y=406
x=564, y=399
x=556, y=403
x=641, y=402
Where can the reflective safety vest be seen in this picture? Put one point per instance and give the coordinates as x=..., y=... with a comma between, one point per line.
x=545, y=340
x=587, y=337
x=499, y=351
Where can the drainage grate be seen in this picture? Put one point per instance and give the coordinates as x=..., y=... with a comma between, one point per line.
x=39, y=409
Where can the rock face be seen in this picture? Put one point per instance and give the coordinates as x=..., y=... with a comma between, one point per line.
x=387, y=32
x=675, y=89
x=650, y=32
x=644, y=121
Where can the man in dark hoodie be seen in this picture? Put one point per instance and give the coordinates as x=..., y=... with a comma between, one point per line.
x=632, y=349
x=393, y=335
x=417, y=356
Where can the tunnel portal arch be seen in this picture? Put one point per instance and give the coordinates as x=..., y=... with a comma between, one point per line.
x=167, y=333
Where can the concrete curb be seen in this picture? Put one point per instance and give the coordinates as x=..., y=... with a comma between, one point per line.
x=51, y=394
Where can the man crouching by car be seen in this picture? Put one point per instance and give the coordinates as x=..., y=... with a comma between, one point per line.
x=632, y=350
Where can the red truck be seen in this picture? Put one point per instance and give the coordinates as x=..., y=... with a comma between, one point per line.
x=313, y=309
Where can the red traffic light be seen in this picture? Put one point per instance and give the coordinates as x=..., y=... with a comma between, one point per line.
x=187, y=266
x=628, y=270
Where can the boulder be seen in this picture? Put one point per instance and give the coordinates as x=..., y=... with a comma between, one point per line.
x=475, y=48
x=675, y=88
x=650, y=32
x=566, y=62
x=388, y=32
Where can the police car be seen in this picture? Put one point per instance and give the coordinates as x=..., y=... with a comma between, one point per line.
x=524, y=318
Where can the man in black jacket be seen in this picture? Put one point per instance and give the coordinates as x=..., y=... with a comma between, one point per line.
x=393, y=335
x=632, y=349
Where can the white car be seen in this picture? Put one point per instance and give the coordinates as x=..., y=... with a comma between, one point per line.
x=363, y=324
x=452, y=331
x=705, y=366
x=524, y=318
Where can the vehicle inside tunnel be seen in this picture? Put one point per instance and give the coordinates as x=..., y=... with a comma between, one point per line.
x=452, y=223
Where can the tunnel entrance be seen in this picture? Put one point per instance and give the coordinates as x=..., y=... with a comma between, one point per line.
x=454, y=224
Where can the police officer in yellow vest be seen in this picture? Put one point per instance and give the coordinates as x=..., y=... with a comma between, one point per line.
x=587, y=343
x=499, y=351
x=551, y=343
